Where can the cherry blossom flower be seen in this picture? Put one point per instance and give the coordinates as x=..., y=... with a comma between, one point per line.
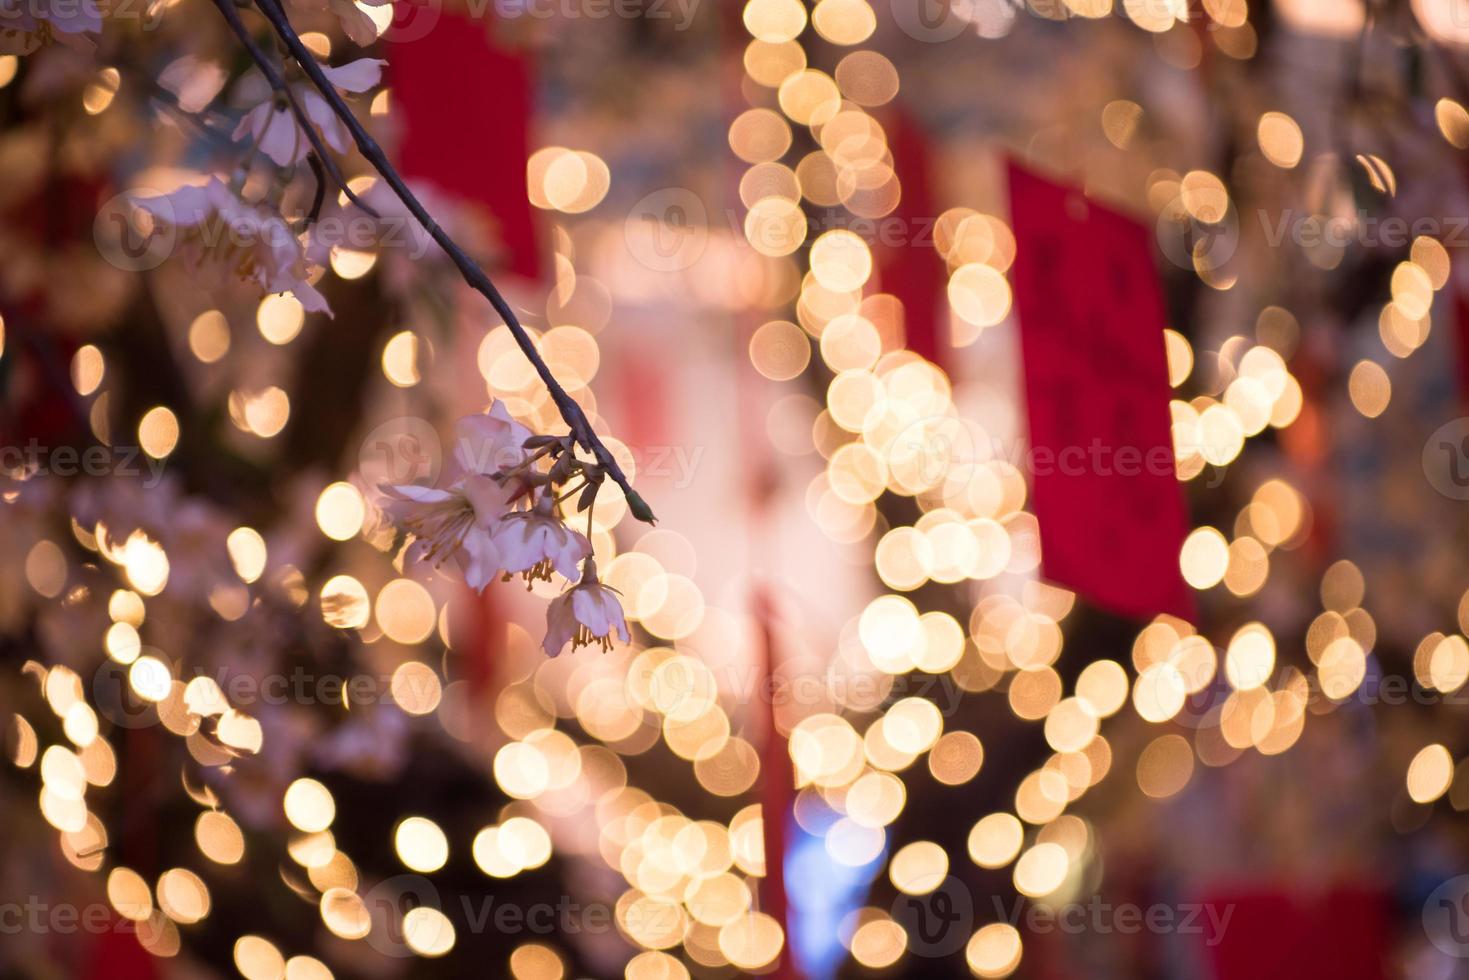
x=587, y=613
x=492, y=442
x=454, y=523
x=460, y=521
x=254, y=242
x=272, y=125
x=26, y=25
x=536, y=541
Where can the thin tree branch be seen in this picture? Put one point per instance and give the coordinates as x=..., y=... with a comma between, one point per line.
x=317, y=170
x=571, y=412
x=278, y=85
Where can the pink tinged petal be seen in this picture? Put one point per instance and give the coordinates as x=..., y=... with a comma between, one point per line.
x=560, y=625
x=310, y=298
x=538, y=539
x=361, y=28
x=319, y=111
x=417, y=494
x=489, y=499
x=572, y=548
x=515, y=433
x=225, y=201
x=251, y=89
x=613, y=611
x=483, y=559
x=475, y=438
x=356, y=76
x=252, y=122
x=182, y=208
x=588, y=609
x=280, y=138
x=513, y=537
x=489, y=442
x=194, y=81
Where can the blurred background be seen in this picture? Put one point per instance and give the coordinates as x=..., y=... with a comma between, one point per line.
x=907, y=696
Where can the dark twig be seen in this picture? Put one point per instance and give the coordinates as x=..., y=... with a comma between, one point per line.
x=320, y=198
x=571, y=412
x=279, y=86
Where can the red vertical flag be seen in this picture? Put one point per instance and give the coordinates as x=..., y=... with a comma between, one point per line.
x=1111, y=512
x=465, y=102
x=777, y=792
x=910, y=268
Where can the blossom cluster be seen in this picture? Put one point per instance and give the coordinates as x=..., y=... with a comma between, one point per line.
x=498, y=515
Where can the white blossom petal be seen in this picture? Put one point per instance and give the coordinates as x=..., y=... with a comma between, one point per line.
x=356, y=76
x=561, y=625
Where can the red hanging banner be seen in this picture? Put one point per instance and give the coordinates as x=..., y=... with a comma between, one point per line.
x=465, y=102
x=911, y=269
x=777, y=793
x=1111, y=512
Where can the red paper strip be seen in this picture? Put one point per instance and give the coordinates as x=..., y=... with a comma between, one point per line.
x=116, y=954
x=777, y=794
x=1461, y=339
x=910, y=268
x=1279, y=934
x=1111, y=512
x=465, y=104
